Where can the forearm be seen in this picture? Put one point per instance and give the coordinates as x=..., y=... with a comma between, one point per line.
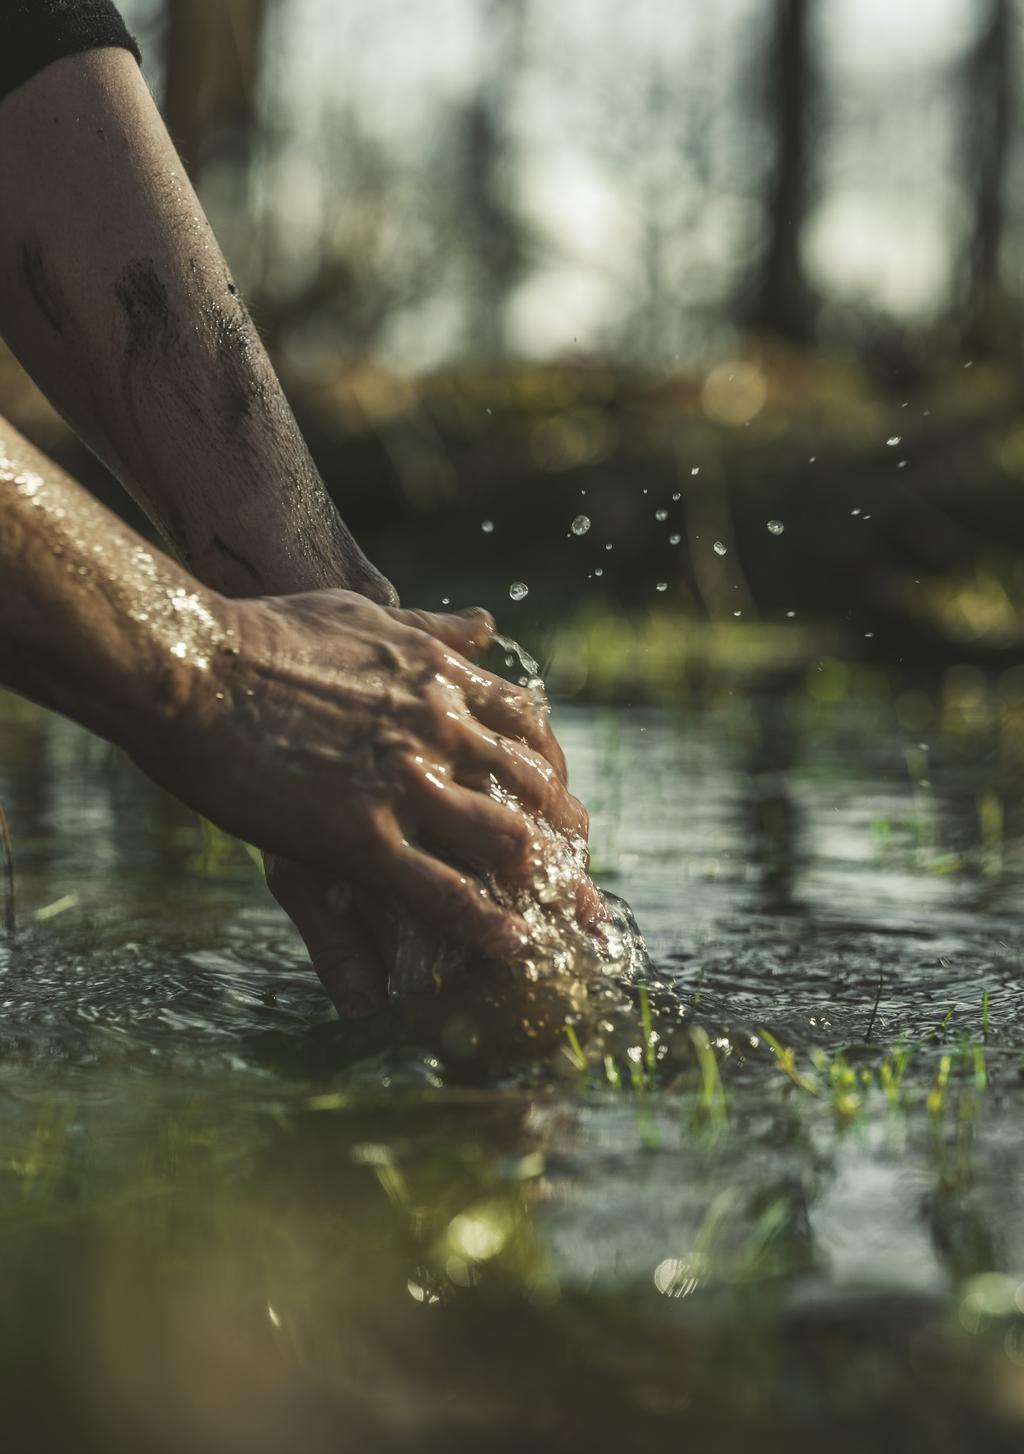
x=95, y=623
x=114, y=294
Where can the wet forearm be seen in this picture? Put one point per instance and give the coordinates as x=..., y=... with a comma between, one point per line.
x=94, y=623
x=116, y=297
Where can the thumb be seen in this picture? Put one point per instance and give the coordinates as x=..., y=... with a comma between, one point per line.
x=339, y=943
x=467, y=632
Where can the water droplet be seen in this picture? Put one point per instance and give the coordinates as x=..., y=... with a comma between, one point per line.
x=695, y=470
x=487, y=526
x=518, y=590
x=677, y=496
x=661, y=586
x=599, y=571
x=812, y=459
x=893, y=440
x=674, y=539
x=855, y=512
x=446, y=600
x=791, y=614
x=868, y=635
x=580, y=525
x=719, y=548
x=902, y=464
x=608, y=546
x=775, y=527
x=661, y=514
x=737, y=613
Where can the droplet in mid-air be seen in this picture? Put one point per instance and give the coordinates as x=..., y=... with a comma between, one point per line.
x=775, y=527
x=719, y=548
x=676, y=496
x=674, y=539
x=661, y=586
x=893, y=440
x=695, y=470
x=661, y=514
x=580, y=525
x=518, y=589
x=487, y=526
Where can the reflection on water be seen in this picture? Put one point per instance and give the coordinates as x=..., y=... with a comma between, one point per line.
x=789, y=1203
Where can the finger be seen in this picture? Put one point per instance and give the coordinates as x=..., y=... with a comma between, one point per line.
x=472, y=828
x=345, y=956
x=529, y=777
x=508, y=710
x=496, y=839
x=339, y=943
x=591, y=908
x=456, y=903
x=468, y=632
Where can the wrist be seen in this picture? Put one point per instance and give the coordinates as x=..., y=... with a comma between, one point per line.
x=145, y=673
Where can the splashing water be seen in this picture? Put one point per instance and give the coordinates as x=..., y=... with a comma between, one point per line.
x=580, y=525
x=565, y=968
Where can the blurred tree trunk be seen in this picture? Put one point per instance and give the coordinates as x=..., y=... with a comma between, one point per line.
x=990, y=98
x=213, y=53
x=779, y=300
x=496, y=241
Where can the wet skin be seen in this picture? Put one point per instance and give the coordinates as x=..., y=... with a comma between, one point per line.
x=349, y=739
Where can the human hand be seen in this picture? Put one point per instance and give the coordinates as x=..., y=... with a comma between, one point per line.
x=359, y=741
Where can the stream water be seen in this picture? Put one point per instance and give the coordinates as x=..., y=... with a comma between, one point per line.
x=776, y=1194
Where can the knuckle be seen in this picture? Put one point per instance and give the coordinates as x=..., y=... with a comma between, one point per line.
x=434, y=653
x=436, y=717
x=520, y=844
x=380, y=836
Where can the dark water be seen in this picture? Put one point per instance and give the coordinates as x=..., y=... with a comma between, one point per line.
x=227, y=1222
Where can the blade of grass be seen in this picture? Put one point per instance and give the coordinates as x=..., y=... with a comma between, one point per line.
x=10, y=918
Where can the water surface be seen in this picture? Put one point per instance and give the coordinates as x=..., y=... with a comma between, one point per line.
x=230, y=1222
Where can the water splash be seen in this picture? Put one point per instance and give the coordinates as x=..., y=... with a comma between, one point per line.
x=565, y=967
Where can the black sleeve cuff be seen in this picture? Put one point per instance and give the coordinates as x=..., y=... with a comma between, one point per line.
x=33, y=33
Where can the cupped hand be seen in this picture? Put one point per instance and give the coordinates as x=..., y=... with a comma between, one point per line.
x=359, y=741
